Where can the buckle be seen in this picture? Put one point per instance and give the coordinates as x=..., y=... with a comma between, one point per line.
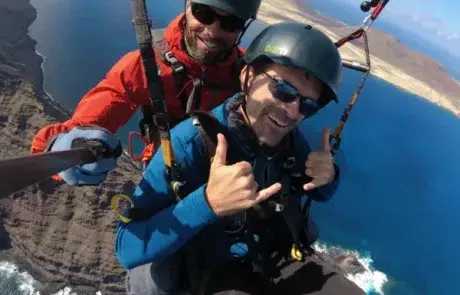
x=176, y=65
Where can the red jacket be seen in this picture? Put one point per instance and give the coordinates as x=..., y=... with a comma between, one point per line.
x=112, y=102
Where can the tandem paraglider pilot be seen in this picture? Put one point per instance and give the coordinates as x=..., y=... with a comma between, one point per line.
x=247, y=172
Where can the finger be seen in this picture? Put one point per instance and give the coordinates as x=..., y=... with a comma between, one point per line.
x=310, y=172
x=326, y=135
x=220, y=158
x=320, y=157
x=246, y=181
x=267, y=193
x=317, y=164
x=242, y=168
x=254, y=188
x=319, y=167
x=316, y=182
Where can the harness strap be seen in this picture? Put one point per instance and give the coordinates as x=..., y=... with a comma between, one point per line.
x=289, y=207
x=208, y=127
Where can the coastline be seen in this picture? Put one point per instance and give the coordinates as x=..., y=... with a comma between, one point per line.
x=270, y=13
x=20, y=60
x=42, y=67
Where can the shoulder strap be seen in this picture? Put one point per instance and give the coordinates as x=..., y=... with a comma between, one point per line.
x=208, y=127
x=160, y=44
x=180, y=74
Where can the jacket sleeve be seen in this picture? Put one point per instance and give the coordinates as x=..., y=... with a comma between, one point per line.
x=173, y=223
x=110, y=104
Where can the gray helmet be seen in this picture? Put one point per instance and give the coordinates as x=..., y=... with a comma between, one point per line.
x=244, y=9
x=303, y=47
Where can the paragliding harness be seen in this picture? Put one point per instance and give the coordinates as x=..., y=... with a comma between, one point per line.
x=148, y=131
x=155, y=124
x=285, y=208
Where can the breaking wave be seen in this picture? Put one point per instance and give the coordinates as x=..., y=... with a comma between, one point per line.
x=16, y=282
x=371, y=280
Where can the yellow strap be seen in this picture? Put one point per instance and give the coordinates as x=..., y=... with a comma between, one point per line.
x=116, y=209
x=167, y=152
x=296, y=253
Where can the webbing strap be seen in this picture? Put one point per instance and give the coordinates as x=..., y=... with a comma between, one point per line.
x=336, y=138
x=160, y=114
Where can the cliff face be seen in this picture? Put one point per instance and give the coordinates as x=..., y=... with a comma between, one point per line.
x=65, y=233
x=57, y=232
x=17, y=50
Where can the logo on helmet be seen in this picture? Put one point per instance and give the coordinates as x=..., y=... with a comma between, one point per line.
x=275, y=49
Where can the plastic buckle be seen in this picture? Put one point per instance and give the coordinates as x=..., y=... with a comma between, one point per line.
x=177, y=66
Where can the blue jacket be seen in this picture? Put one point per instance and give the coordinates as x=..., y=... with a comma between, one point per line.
x=172, y=224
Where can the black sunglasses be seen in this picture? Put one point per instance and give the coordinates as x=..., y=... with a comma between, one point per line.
x=285, y=92
x=206, y=15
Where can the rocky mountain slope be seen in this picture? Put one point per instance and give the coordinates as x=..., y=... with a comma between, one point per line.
x=63, y=235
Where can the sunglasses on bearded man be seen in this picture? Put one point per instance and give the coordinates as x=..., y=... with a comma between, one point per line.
x=206, y=15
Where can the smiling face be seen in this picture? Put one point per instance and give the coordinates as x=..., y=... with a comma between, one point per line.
x=271, y=118
x=206, y=43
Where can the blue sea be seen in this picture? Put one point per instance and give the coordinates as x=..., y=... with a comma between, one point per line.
x=398, y=203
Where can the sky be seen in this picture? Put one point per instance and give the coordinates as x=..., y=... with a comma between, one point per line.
x=437, y=19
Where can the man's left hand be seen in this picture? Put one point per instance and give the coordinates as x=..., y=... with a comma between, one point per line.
x=320, y=164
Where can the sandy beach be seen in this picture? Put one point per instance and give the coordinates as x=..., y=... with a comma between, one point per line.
x=273, y=11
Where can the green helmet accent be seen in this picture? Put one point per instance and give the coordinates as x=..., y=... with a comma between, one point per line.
x=244, y=9
x=300, y=46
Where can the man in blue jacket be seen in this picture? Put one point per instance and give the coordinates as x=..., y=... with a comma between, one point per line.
x=245, y=204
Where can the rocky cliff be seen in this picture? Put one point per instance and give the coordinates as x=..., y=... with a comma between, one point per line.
x=63, y=235
x=17, y=50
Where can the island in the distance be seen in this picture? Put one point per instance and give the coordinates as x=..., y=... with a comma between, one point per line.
x=391, y=60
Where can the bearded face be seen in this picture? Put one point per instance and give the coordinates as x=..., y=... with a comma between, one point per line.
x=206, y=43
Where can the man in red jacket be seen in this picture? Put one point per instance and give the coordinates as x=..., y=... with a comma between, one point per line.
x=197, y=56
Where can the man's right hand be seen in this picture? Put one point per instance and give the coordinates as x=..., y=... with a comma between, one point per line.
x=92, y=173
x=232, y=188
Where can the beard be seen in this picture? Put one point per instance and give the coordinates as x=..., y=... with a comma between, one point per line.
x=221, y=48
x=263, y=126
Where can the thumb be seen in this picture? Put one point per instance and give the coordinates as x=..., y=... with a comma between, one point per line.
x=325, y=142
x=220, y=158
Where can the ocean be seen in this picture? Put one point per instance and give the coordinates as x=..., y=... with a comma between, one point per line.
x=397, y=203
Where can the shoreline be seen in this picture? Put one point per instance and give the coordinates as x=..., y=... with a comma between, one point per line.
x=43, y=74
x=269, y=14
x=43, y=57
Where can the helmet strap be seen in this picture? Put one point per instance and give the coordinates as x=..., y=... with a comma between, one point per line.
x=245, y=96
x=238, y=41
